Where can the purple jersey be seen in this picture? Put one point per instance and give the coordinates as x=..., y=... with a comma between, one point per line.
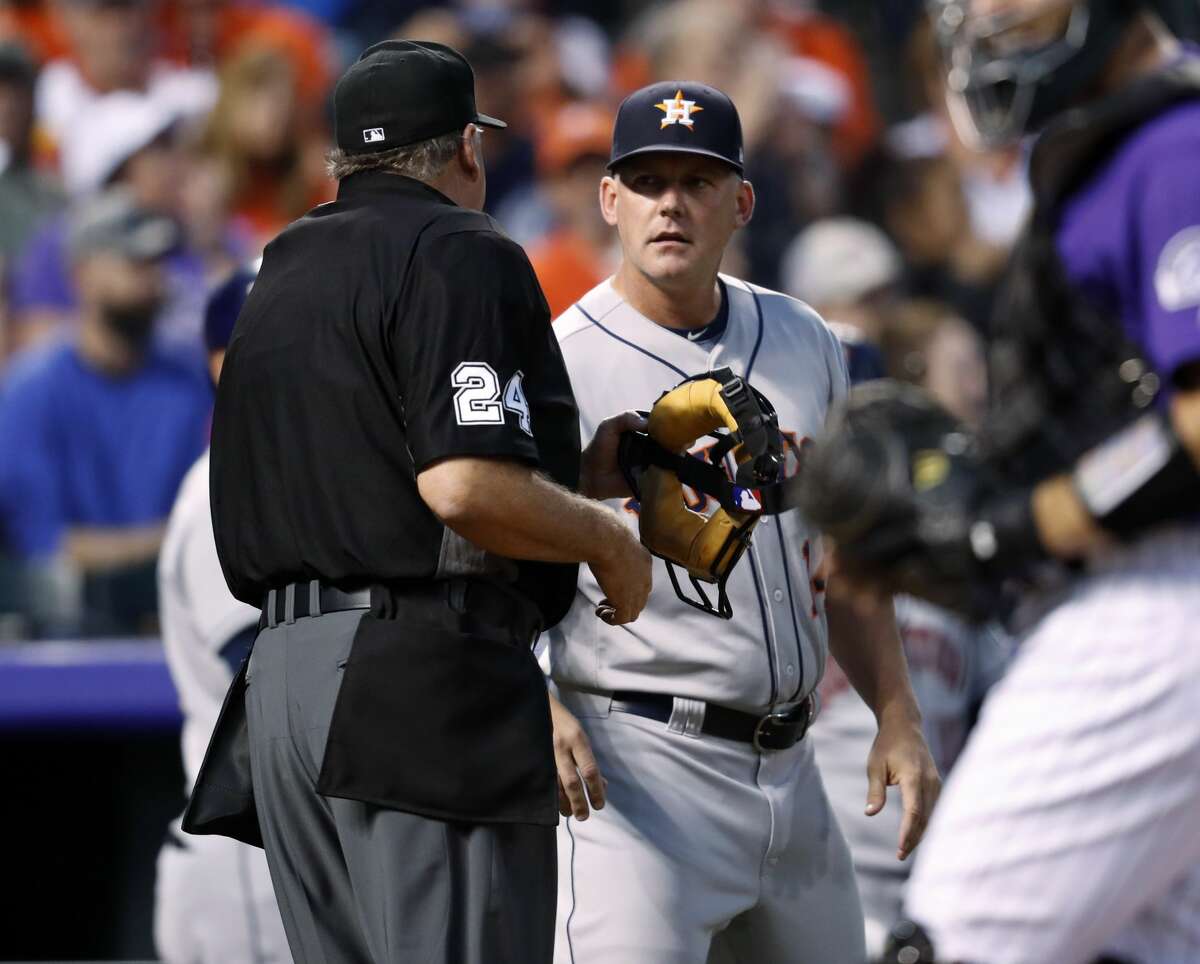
x=1129, y=238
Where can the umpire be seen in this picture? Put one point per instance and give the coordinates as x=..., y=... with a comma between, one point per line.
x=394, y=432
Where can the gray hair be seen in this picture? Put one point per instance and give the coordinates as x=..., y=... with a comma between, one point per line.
x=423, y=160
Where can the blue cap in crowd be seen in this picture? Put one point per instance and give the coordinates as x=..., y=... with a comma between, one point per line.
x=679, y=117
x=225, y=304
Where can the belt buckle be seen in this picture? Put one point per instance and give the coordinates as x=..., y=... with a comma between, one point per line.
x=763, y=727
x=767, y=722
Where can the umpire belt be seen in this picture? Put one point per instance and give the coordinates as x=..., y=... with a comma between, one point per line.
x=774, y=731
x=476, y=598
x=299, y=599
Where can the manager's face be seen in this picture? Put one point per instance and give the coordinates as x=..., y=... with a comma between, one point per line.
x=675, y=213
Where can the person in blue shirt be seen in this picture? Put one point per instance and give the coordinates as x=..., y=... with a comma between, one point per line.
x=97, y=433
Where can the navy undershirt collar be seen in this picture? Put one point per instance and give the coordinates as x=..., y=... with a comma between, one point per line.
x=711, y=333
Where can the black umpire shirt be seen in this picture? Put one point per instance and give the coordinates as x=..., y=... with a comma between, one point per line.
x=386, y=330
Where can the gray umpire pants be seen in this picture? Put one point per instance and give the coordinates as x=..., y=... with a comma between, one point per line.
x=361, y=883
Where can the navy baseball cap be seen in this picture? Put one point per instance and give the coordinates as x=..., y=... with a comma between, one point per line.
x=225, y=304
x=681, y=117
x=403, y=91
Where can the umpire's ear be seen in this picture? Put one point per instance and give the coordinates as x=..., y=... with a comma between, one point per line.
x=470, y=152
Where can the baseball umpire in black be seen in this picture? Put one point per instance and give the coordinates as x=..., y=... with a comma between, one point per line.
x=397, y=481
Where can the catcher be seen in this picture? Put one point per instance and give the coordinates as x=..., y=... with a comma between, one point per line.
x=1069, y=828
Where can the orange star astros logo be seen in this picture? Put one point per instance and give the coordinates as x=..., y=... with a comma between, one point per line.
x=678, y=111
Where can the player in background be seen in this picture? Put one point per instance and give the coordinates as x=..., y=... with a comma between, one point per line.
x=710, y=848
x=1069, y=827
x=951, y=663
x=213, y=898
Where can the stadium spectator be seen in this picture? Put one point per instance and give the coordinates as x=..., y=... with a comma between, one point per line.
x=851, y=274
x=926, y=343
x=212, y=33
x=128, y=141
x=436, y=25
x=578, y=252
x=501, y=88
x=582, y=58
x=795, y=169
x=96, y=433
x=111, y=44
x=27, y=196
x=37, y=28
x=810, y=34
x=919, y=201
x=261, y=147
x=717, y=43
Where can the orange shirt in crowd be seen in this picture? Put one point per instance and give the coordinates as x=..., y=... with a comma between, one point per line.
x=823, y=39
x=37, y=27
x=303, y=40
x=567, y=267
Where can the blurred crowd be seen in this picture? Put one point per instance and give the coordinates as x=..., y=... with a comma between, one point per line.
x=148, y=147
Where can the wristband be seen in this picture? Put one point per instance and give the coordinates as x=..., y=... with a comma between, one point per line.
x=1141, y=476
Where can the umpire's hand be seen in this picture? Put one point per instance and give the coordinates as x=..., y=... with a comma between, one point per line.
x=579, y=777
x=622, y=567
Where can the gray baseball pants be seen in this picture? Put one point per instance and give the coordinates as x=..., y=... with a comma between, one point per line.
x=361, y=884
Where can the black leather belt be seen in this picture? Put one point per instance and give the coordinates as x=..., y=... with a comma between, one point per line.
x=473, y=598
x=774, y=731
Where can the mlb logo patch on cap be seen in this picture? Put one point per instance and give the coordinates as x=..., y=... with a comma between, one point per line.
x=372, y=134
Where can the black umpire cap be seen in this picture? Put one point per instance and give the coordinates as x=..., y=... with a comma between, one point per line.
x=681, y=117
x=403, y=91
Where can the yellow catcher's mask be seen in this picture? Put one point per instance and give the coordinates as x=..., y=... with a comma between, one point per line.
x=657, y=466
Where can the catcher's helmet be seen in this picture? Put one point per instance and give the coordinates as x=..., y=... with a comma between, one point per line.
x=656, y=466
x=1011, y=66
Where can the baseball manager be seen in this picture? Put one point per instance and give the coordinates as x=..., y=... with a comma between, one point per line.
x=393, y=429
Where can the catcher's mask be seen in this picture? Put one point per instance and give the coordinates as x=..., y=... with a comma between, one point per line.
x=656, y=466
x=1004, y=79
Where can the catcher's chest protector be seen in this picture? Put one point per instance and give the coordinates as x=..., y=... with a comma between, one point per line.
x=1063, y=374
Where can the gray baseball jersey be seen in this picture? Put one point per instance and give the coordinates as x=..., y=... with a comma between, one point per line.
x=198, y=615
x=707, y=849
x=774, y=649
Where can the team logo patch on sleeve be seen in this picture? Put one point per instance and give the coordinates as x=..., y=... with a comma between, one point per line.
x=1177, y=275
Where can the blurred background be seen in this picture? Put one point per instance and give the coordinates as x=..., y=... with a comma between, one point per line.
x=148, y=147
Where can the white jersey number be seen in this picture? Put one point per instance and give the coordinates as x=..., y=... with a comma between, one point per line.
x=516, y=402
x=477, y=401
